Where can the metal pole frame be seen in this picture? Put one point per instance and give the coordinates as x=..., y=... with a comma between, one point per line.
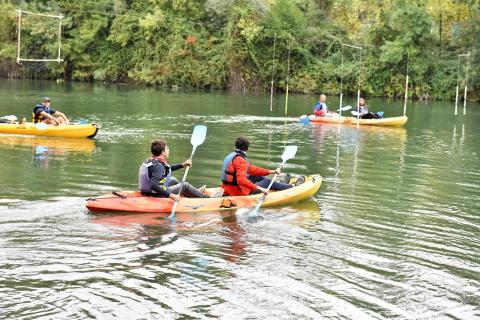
x=60, y=17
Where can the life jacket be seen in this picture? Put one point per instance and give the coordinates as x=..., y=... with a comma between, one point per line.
x=229, y=176
x=362, y=109
x=144, y=178
x=320, y=109
x=37, y=117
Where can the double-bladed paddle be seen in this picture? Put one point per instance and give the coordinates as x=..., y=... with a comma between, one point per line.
x=198, y=137
x=305, y=119
x=288, y=154
x=344, y=108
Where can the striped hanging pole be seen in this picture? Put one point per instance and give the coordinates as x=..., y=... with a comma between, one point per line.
x=341, y=82
x=406, y=87
x=456, y=91
x=288, y=78
x=466, y=79
x=273, y=72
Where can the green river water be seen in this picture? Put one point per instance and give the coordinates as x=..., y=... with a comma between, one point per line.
x=393, y=233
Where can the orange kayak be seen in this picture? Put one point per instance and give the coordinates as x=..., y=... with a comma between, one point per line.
x=133, y=201
x=391, y=122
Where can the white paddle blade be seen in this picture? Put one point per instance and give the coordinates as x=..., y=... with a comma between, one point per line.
x=289, y=153
x=355, y=113
x=198, y=135
x=41, y=125
x=345, y=108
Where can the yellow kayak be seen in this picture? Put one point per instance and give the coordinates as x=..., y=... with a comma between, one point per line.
x=391, y=122
x=133, y=201
x=41, y=129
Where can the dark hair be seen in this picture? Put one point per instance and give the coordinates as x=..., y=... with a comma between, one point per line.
x=157, y=147
x=242, y=143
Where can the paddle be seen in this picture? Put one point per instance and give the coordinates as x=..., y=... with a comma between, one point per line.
x=379, y=113
x=344, y=108
x=304, y=119
x=198, y=137
x=41, y=125
x=355, y=113
x=288, y=154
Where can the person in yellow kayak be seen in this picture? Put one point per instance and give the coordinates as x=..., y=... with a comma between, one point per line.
x=240, y=178
x=44, y=113
x=362, y=110
x=155, y=175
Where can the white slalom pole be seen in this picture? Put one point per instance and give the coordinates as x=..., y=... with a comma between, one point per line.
x=273, y=71
x=466, y=79
x=288, y=78
x=406, y=87
x=406, y=97
x=456, y=93
x=341, y=83
x=456, y=101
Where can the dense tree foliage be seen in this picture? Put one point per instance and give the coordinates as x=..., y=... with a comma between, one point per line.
x=230, y=43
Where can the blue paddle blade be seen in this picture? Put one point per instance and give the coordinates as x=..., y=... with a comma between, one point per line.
x=82, y=121
x=198, y=135
x=380, y=114
x=304, y=120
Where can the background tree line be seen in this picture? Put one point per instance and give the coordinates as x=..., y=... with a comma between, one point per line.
x=229, y=44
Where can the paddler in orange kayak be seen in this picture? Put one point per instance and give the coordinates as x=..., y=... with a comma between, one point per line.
x=240, y=178
x=155, y=175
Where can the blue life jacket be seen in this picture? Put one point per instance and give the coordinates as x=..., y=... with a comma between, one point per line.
x=144, y=178
x=229, y=176
x=37, y=117
x=320, y=106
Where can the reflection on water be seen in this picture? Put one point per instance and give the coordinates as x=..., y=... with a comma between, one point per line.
x=392, y=233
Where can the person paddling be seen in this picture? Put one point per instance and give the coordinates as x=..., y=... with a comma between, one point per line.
x=240, y=178
x=44, y=113
x=155, y=175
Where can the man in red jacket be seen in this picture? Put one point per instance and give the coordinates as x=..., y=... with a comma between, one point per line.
x=240, y=178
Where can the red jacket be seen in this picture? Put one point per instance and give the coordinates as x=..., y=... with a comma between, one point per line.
x=245, y=186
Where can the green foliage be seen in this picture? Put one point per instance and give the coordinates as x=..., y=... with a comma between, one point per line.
x=229, y=43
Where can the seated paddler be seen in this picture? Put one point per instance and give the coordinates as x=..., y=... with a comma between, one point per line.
x=155, y=175
x=44, y=113
x=363, y=112
x=240, y=178
x=321, y=108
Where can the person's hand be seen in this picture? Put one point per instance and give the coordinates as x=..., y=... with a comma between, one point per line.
x=277, y=171
x=187, y=163
x=262, y=190
x=175, y=197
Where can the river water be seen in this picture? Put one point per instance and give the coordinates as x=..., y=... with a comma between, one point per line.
x=392, y=233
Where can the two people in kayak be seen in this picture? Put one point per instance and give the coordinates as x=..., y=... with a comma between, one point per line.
x=238, y=176
x=42, y=112
x=321, y=109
